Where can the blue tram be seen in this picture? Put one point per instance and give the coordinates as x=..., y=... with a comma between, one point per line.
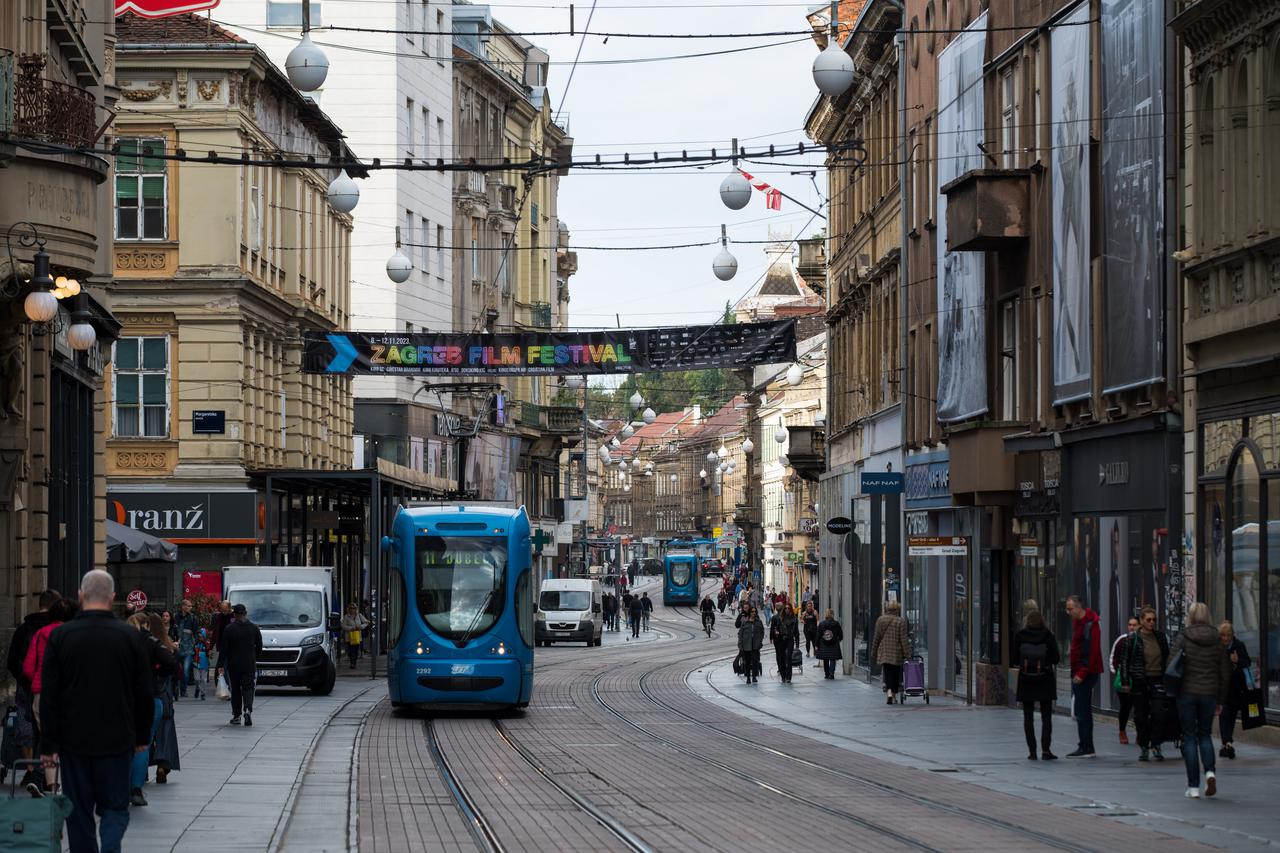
x=460, y=607
x=680, y=578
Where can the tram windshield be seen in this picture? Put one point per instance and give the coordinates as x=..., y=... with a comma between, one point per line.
x=680, y=573
x=460, y=583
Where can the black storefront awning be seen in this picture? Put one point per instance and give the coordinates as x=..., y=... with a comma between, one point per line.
x=126, y=545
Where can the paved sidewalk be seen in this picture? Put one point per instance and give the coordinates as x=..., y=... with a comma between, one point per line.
x=985, y=746
x=239, y=786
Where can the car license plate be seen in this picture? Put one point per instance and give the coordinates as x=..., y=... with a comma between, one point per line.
x=462, y=669
x=273, y=673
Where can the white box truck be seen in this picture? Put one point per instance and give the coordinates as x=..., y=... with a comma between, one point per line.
x=294, y=608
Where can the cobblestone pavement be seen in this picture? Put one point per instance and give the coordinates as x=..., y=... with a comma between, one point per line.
x=618, y=752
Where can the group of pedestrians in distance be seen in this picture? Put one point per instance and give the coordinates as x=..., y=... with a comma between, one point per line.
x=1172, y=691
x=784, y=628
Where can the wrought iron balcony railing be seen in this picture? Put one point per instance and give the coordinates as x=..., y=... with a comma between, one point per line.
x=46, y=109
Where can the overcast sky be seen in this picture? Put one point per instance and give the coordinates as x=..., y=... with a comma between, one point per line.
x=759, y=96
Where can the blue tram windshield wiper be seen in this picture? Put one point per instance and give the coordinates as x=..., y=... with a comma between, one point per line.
x=466, y=635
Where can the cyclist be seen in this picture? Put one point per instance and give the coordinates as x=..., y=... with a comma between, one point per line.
x=708, y=613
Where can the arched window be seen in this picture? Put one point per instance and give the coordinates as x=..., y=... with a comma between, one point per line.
x=1244, y=522
x=1271, y=133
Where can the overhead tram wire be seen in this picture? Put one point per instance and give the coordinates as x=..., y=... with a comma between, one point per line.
x=564, y=96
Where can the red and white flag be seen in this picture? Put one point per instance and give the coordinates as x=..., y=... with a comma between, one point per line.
x=772, y=197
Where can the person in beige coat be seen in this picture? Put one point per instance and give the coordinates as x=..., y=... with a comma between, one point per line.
x=890, y=647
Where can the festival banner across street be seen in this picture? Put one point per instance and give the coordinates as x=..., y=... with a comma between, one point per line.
x=555, y=353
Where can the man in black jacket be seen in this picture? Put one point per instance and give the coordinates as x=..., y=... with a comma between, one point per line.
x=241, y=647
x=95, y=713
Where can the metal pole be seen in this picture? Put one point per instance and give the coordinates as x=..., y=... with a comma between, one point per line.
x=269, y=518
x=375, y=568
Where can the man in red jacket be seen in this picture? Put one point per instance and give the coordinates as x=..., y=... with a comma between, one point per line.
x=1086, y=666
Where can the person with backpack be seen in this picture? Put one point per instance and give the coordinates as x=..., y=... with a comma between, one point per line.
x=60, y=611
x=890, y=646
x=1037, y=651
x=830, y=636
x=810, y=620
x=646, y=611
x=1086, y=666
x=1240, y=663
x=750, y=641
x=1142, y=666
x=1123, y=691
x=784, y=633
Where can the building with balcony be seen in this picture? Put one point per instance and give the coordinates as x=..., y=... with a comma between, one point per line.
x=1228, y=197
x=510, y=268
x=219, y=271
x=56, y=89
x=864, y=312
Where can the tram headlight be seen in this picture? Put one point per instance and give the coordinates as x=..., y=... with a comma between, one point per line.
x=419, y=649
x=312, y=640
x=500, y=649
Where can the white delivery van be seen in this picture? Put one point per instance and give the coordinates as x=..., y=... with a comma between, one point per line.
x=293, y=607
x=569, y=609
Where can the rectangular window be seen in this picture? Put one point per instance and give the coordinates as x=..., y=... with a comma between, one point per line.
x=440, y=250
x=410, y=127
x=426, y=22
x=407, y=234
x=140, y=372
x=426, y=132
x=440, y=139
x=931, y=173
x=913, y=164
x=410, y=20
x=1037, y=326
x=1037, y=102
x=288, y=13
x=475, y=249
x=1009, y=360
x=142, y=192
x=425, y=247
x=1008, y=116
x=440, y=35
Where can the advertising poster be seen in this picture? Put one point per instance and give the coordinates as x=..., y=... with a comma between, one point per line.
x=962, y=383
x=1133, y=192
x=1072, y=302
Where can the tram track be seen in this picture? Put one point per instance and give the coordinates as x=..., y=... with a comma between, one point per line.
x=485, y=836
x=958, y=811
x=763, y=784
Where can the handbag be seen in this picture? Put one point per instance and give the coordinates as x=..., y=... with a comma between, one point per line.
x=353, y=638
x=1173, y=674
x=222, y=691
x=737, y=664
x=1253, y=714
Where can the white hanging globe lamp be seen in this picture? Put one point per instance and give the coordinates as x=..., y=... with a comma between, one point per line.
x=627, y=432
x=723, y=452
x=344, y=193
x=747, y=446
x=399, y=267
x=306, y=65
x=735, y=191
x=575, y=382
x=636, y=400
x=648, y=416
x=780, y=434
x=703, y=473
x=795, y=375
x=833, y=70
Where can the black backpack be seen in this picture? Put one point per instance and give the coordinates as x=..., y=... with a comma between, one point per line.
x=1035, y=659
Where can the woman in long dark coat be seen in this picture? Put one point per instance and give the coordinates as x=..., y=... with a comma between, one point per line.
x=830, y=636
x=1037, y=651
x=164, y=749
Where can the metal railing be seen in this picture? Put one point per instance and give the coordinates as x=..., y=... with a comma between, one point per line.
x=6, y=90
x=540, y=315
x=49, y=110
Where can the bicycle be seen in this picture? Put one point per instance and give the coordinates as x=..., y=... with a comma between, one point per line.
x=708, y=622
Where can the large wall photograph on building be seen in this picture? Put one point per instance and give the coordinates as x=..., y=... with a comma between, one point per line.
x=1072, y=302
x=962, y=384
x=1133, y=193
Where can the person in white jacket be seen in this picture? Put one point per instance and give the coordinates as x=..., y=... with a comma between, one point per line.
x=1126, y=698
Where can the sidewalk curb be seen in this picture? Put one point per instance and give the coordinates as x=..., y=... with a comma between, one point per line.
x=286, y=814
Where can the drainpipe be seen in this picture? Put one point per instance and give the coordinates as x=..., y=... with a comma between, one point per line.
x=903, y=207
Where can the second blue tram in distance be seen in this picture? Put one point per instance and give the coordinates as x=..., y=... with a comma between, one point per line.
x=680, y=578
x=460, y=608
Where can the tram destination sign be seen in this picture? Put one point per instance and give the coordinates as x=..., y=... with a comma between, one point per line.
x=553, y=353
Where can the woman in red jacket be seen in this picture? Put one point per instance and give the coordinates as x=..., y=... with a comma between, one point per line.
x=62, y=610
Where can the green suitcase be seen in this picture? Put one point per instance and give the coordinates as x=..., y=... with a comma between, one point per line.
x=32, y=825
